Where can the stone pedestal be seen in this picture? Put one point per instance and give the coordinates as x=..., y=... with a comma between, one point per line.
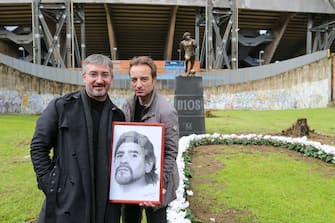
x=189, y=103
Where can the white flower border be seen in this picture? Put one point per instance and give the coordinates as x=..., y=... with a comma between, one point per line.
x=176, y=211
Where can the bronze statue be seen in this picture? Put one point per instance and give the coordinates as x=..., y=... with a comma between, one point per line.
x=188, y=45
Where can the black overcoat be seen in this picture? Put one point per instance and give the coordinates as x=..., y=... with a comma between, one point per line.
x=62, y=156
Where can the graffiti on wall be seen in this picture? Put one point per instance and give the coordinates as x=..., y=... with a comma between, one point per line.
x=36, y=103
x=10, y=101
x=28, y=103
x=305, y=95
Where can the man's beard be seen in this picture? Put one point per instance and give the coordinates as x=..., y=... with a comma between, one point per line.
x=98, y=93
x=124, y=175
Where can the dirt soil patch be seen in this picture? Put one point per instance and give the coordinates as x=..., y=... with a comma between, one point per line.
x=203, y=162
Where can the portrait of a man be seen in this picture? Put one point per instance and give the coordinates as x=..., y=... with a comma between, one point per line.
x=135, y=176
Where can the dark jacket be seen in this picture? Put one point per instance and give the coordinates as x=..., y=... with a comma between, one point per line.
x=66, y=174
x=161, y=111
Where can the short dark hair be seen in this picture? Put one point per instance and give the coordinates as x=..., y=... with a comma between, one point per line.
x=144, y=142
x=97, y=59
x=144, y=60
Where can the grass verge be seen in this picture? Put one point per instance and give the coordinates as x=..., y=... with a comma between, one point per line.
x=21, y=200
x=267, y=121
x=262, y=185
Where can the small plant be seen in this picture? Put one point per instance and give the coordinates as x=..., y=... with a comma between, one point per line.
x=209, y=114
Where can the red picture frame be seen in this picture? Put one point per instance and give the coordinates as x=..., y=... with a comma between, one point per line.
x=136, y=162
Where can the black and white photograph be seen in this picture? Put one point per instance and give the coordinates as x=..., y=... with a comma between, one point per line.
x=136, y=162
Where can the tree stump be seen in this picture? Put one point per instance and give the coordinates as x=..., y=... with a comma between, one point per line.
x=299, y=128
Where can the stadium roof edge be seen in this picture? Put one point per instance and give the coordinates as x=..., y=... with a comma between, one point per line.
x=307, y=6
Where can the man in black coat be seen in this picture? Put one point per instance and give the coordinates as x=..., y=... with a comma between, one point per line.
x=70, y=150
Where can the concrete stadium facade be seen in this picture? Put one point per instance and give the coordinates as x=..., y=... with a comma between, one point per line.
x=59, y=34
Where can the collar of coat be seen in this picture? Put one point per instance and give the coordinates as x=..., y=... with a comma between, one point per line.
x=153, y=95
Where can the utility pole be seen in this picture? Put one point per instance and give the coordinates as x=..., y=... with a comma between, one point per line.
x=209, y=34
x=234, y=39
x=36, y=32
x=69, y=33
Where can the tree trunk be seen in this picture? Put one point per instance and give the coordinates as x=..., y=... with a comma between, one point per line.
x=299, y=128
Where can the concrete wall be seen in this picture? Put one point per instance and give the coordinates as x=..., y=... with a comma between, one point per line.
x=23, y=93
x=309, y=86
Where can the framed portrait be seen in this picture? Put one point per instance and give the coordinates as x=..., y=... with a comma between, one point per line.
x=137, y=152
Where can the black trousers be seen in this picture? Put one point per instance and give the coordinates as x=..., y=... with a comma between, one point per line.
x=113, y=213
x=132, y=213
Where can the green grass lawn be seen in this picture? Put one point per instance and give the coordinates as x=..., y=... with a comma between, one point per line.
x=250, y=121
x=21, y=200
x=266, y=186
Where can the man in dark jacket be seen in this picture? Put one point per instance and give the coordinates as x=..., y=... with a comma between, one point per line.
x=70, y=150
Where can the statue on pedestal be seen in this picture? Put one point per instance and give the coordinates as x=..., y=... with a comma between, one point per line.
x=188, y=45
